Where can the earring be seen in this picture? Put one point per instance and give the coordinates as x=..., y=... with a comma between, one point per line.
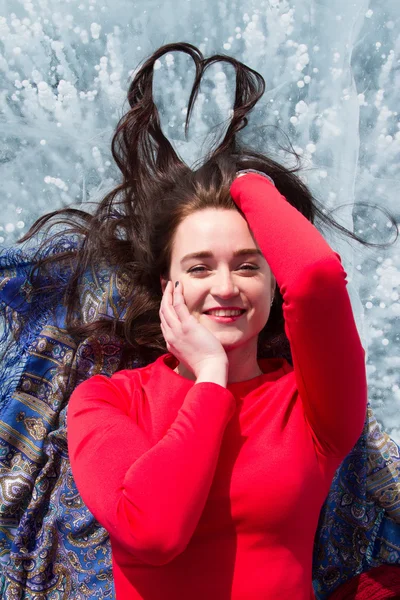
x=272, y=301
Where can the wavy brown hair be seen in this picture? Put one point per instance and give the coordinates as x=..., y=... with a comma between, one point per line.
x=132, y=228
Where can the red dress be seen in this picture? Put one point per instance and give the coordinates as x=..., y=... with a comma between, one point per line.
x=215, y=493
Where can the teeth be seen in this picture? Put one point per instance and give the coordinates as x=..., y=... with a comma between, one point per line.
x=225, y=313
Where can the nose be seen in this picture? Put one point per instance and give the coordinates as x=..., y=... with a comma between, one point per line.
x=224, y=285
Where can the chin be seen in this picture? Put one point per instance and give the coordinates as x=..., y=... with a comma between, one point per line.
x=230, y=342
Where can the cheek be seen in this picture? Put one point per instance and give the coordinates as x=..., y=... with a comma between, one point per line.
x=190, y=291
x=193, y=294
x=258, y=294
x=260, y=300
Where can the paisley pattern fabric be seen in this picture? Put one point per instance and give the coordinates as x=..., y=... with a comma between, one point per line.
x=50, y=544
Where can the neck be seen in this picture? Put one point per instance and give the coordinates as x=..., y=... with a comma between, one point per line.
x=243, y=365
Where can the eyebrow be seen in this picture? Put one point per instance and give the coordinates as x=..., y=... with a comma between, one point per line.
x=208, y=254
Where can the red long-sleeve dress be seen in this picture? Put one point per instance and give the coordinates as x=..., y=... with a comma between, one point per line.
x=213, y=492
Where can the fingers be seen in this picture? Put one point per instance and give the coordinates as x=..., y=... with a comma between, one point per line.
x=166, y=327
x=173, y=307
x=167, y=309
x=172, y=310
x=165, y=331
x=179, y=303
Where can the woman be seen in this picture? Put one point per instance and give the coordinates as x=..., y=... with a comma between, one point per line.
x=173, y=459
x=208, y=468
x=162, y=454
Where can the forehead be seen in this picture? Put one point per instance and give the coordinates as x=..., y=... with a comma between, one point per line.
x=212, y=229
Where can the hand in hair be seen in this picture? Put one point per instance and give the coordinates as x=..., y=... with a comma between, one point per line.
x=189, y=341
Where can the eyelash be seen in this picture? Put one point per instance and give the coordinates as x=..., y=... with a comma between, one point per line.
x=251, y=268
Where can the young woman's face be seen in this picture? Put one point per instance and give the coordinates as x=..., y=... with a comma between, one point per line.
x=230, y=273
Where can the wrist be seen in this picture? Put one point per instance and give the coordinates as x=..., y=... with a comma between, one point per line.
x=251, y=190
x=214, y=373
x=244, y=171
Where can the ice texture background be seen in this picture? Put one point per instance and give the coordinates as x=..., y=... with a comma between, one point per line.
x=332, y=69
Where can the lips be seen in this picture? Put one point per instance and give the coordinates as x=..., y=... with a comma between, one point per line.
x=212, y=311
x=225, y=308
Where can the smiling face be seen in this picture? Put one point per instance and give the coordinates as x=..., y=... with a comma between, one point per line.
x=231, y=272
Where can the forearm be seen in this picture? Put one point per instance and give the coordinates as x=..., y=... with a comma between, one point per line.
x=165, y=491
x=148, y=496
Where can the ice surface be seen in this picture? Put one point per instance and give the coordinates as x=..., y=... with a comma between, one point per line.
x=332, y=74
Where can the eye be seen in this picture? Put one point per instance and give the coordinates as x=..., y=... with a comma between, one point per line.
x=250, y=267
x=244, y=267
x=196, y=270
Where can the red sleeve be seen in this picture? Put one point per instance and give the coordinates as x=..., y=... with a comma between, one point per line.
x=148, y=497
x=328, y=357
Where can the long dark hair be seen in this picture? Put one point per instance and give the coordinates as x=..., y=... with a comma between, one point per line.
x=132, y=228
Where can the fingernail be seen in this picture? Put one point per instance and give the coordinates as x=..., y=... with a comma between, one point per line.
x=176, y=283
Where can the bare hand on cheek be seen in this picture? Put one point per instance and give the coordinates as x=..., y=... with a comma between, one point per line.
x=189, y=341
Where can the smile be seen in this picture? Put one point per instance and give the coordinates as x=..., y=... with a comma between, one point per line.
x=225, y=316
x=225, y=312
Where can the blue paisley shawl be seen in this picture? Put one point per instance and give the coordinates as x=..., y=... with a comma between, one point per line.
x=50, y=544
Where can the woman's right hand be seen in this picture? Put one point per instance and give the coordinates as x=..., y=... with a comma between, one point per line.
x=187, y=339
